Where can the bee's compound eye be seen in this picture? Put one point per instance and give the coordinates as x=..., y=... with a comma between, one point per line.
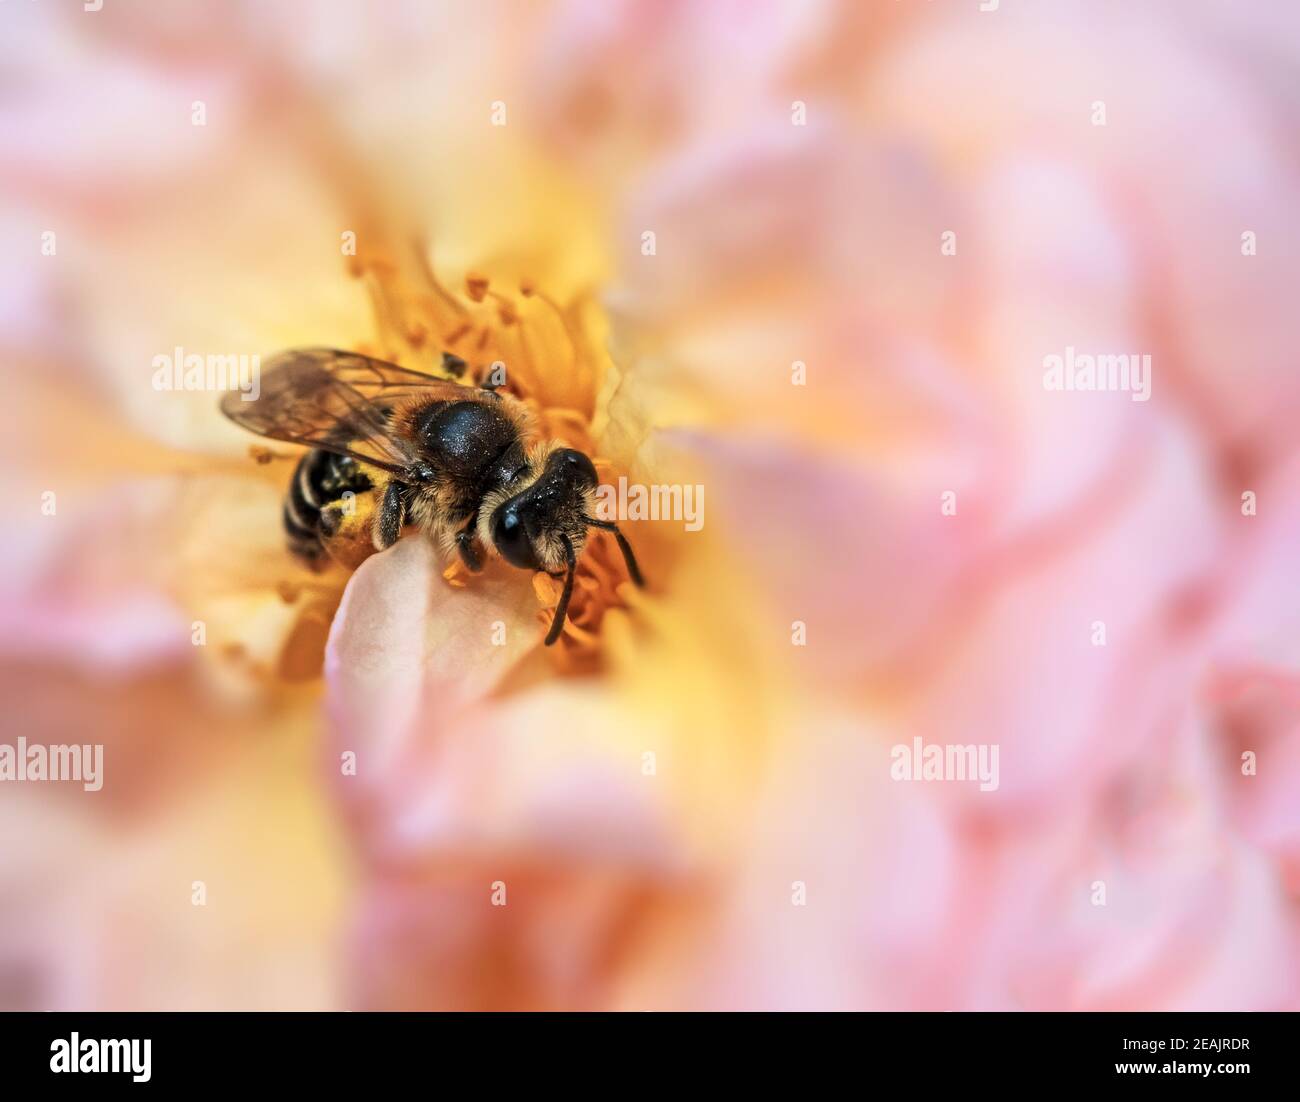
x=577, y=465
x=511, y=538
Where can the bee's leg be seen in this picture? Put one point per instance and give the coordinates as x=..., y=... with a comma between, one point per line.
x=346, y=528
x=469, y=554
x=391, y=515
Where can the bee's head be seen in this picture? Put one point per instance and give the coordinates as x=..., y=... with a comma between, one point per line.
x=530, y=528
x=544, y=526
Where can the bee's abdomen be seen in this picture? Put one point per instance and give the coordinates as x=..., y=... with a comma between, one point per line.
x=320, y=479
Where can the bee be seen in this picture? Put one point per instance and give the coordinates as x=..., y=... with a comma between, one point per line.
x=391, y=447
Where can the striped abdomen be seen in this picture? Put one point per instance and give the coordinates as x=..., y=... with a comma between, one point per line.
x=320, y=480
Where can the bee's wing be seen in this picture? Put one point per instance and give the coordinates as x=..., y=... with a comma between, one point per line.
x=336, y=401
x=379, y=380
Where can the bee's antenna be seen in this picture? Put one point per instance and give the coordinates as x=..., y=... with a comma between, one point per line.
x=633, y=570
x=562, y=609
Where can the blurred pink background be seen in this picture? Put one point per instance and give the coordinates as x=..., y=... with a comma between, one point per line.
x=872, y=223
